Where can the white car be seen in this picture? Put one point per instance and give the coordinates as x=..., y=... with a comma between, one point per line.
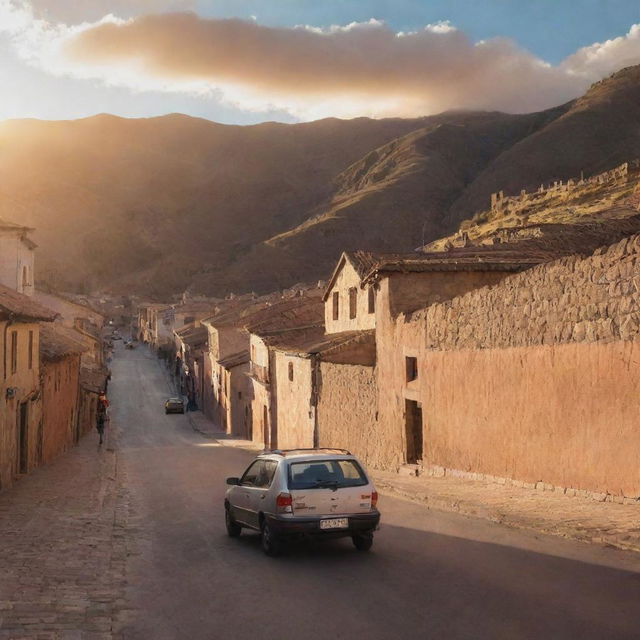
x=320, y=493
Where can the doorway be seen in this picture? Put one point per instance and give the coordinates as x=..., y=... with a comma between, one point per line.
x=23, y=438
x=413, y=431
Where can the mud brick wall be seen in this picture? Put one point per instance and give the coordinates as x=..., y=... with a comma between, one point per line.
x=535, y=379
x=347, y=411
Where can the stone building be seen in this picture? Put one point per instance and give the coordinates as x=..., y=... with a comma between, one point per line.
x=532, y=380
x=17, y=255
x=85, y=320
x=301, y=387
x=61, y=349
x=21, y=428
x=191, y=345
x=284, y=321
x=366, y=293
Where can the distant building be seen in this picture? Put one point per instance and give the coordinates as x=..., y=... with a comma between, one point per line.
x=17, y=257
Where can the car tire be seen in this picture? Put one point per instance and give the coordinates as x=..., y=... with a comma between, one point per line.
x=271, y=545
x=166, y=412
x=233, y=528
x=363, y=542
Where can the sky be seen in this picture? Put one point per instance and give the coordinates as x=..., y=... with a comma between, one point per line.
x=248, y=61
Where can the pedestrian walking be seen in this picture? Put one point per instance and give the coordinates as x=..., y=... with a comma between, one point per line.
x=100, y=426
x=103, y=404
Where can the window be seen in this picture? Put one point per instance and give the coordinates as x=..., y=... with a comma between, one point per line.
x=250, y=476
x=336, y=305
x=326, y=473
x=30, y=349
x=14, y=351
x=353, y=302
x=291, y=371
x=259, y=474
x=412, y=368
x=240, y=395
x=25, y=277
x=372, y=300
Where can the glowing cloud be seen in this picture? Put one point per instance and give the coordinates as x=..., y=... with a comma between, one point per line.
x=357, y=69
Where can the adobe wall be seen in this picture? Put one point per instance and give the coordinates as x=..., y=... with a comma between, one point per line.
x=348, y=278
x=294, y=410
x=533, y=379
x=565, y=415
x=348, y=410
x=24, y=384
x=60, y=399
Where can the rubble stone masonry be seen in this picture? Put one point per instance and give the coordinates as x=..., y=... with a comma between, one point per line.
x=348, y=410
x=535, y=379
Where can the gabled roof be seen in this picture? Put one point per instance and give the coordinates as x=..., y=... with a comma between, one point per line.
x=361, y=261
x=21, y=307
x=371, y=266
x=58, y=341
x=291, y=313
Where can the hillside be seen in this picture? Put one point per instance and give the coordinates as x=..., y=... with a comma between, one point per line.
x=157, y=205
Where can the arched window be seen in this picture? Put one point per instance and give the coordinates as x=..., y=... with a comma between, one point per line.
x=291, y=371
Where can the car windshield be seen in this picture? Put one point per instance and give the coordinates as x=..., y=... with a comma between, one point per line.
x=326, y=474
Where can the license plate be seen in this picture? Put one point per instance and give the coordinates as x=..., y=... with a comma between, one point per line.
x=335, y=523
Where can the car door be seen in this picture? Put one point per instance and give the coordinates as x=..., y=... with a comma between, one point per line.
x=260, y=498
x=243, y=503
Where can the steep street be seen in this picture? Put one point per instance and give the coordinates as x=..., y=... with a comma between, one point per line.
x=129, y=542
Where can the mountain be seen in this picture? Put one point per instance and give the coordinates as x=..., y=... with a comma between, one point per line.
x=157, y=205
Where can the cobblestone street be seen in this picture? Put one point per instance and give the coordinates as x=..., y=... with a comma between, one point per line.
x=63, y=549
x=127, y=542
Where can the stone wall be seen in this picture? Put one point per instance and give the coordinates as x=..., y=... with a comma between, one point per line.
x=574, y=299
x=533, y=379
x=348, y=411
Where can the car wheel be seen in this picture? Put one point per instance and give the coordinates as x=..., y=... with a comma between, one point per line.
x=363, y=542
x=270, y=543
x=233, y=528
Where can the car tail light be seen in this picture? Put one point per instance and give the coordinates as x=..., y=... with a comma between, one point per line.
x=284, y=503
x=374, y=499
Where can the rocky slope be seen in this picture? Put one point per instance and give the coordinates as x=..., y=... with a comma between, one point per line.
x=158, y=205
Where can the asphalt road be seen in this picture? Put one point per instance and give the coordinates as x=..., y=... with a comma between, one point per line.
x=429, y=575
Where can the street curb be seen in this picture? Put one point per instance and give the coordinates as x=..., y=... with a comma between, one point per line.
x=475, y=510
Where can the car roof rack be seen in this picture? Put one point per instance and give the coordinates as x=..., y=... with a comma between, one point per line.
x=285, y=452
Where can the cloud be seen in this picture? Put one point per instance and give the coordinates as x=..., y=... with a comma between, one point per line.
x=77, y=11
x=351, y=70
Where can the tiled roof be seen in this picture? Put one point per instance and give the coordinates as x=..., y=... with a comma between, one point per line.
x=192, y=335
x=235, y=360
x=329, y=345
x=370, y=266
x=22, y=307
x=292, y=313
x=58, y=341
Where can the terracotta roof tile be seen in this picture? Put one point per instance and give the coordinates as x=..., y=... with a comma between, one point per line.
x=58, y=341
x=22, y=307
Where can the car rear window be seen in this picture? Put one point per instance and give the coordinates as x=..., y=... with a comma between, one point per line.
x=326, y=474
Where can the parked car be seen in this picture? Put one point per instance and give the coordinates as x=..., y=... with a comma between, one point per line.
x=319, y=493
x=174, y=405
